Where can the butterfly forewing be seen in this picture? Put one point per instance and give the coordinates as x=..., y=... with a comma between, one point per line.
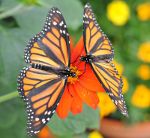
x=42, y=89
x=51, y=45
x=98, y=46
x=96, y=42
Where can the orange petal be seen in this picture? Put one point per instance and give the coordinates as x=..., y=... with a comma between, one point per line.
x=45, y=133
x=71, y=44
x=76, y=106
x=77, y=51
x=80, y=65
x=64, y=104
x=89, y=81
x=89, y=97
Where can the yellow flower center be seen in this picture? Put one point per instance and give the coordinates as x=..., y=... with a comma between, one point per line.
x=75, y=70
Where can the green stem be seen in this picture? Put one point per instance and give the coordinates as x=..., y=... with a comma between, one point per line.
x=12, y=11
x=8, y=96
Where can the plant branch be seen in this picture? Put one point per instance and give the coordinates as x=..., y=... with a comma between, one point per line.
x=8, y=96
x=12, y=11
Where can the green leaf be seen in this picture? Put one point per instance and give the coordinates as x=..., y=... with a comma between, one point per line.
x=7, y=4
x=34, y=18
x=82, y=135
x=72, y=11
x=6, y=118
x=11, y=58
x=13, y=119
x=12, y=116
x=89, y=118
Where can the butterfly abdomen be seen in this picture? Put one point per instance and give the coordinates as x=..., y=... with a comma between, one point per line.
x=36, y=66
x=60, y=72
x=41, y=67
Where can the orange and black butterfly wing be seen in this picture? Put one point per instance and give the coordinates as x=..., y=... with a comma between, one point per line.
x=98, y=46
x=41, y=91
x=95, y=41
x=50, y=47
x=112, y=83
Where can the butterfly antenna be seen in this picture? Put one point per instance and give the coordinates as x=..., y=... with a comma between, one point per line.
x=84, y=68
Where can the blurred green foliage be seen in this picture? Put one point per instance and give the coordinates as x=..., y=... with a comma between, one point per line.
x=25, y=18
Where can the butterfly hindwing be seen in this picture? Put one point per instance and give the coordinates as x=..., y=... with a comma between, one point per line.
x=31, y=78
x=98, y=46
x=41, y=90
x=112, y=83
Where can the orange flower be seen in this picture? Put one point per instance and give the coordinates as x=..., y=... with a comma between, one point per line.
x=45, y=133
x=81, y=89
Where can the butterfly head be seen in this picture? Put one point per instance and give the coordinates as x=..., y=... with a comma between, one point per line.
x=72, y=74
x=82, y=58
x=68, y=72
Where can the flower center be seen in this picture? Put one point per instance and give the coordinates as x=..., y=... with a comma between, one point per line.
x=75, y=70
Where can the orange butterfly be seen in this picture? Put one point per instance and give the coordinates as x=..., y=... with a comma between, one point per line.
x=99, y=54
x=42, y=83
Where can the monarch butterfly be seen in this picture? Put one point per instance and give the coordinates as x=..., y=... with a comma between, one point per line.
x=42, y=83
x=99, y=54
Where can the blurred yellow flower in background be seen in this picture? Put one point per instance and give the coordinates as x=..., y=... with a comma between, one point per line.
x=141, y=97
x=118, y=12
x=125, y=85
x=144, y=72
x=106, y=105
x=143, y=11
x=95, y=134
x=119, y=67
x=144, y=52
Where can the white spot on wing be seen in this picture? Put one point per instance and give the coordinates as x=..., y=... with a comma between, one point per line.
x=54, y=23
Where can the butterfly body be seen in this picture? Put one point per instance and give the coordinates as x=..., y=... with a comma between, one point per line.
x=87, y=58
x=90, y=58
x=61, y=72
